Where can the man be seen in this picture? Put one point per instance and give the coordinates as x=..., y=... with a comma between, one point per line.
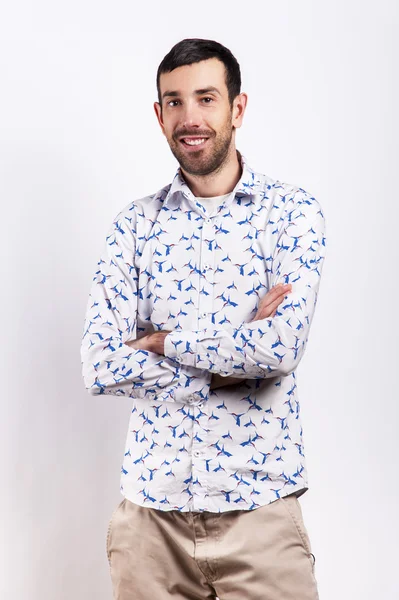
x=200, y=311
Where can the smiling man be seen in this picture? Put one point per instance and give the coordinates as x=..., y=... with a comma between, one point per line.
x=200, y=311
x=199, y=124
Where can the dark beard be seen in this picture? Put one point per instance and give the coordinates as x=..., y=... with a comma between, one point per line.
x=211, y=162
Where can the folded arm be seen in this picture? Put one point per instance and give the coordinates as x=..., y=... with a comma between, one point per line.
x=274, y=345
x=109, y=364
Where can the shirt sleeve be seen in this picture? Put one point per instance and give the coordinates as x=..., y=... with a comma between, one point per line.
x=275, y=345
x=109, y=365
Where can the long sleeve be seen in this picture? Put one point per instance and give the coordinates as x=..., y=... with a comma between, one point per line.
x=109, y=365
x=272, y=346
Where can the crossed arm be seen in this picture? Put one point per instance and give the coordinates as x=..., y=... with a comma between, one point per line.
x=164, y=363
x=155, y=342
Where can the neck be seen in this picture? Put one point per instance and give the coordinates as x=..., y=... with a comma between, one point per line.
x=222, y=181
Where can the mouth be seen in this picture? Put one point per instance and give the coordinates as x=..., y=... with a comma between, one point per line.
x=194, y=143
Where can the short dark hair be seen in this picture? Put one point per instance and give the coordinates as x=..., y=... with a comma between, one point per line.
x=192, y=50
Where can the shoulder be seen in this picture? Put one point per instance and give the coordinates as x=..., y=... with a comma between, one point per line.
x=303, y=213
x=301, y=201
x=290, y=199
x=141, y=208
x=288, y=204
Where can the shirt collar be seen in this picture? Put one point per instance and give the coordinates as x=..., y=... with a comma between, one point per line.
x=249, y=183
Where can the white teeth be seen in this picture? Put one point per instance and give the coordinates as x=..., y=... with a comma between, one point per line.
x=194, y=142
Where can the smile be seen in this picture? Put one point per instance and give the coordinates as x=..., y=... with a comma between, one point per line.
x=193, y=142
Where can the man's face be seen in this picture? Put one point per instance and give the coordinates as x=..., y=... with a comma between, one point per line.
x=196, y=109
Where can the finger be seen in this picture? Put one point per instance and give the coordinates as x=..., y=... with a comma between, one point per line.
x=270, y=302
x=275, y=292
x=267, y=311
x=280, y=287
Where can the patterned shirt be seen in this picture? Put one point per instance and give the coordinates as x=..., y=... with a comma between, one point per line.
x=169, y=265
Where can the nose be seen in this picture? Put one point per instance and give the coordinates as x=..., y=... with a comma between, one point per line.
x=191, y=116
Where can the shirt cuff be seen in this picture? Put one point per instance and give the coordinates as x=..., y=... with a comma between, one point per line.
x=182, y=347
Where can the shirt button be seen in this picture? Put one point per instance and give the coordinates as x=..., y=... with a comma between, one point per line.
x=190, y=399
x=203, y=315
x=197, y=453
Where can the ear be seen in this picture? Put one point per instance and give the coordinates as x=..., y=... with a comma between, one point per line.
x=158, y=112
x=239, y=106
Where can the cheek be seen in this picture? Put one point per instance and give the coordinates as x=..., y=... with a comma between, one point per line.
x=169, y=126
x=171, y=130
x=224, y=123
x=169, y=134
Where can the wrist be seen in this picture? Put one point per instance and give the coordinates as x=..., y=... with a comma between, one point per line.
x=156, y=342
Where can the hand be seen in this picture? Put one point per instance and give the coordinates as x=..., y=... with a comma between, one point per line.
x=269, y=303
x=267, y=308
x=152, y=342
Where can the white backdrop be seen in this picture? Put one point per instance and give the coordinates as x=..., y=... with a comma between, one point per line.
x=79, y=141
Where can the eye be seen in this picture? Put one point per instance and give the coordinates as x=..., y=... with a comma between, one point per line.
x=207, y=98
x=169, y=103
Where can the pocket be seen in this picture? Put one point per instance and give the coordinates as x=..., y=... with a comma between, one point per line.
x=109, y=530
x=294, y=510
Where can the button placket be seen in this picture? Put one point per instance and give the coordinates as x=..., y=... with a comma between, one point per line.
x=199, y=454
x=207, y=260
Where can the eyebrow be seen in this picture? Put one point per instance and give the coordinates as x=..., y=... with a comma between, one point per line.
x=173, y=94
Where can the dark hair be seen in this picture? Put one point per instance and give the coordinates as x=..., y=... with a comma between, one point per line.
x=192, y=50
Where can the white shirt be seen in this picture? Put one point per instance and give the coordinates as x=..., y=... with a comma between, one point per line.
x=167, y=265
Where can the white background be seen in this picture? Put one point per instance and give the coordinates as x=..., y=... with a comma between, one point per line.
x=79, y=141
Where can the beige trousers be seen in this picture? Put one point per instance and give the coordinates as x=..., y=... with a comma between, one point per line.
x=262, y=554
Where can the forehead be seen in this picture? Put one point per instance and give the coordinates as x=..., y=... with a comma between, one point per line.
x=203, y=74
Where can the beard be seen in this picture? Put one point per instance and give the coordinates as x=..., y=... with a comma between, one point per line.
x=207, y=160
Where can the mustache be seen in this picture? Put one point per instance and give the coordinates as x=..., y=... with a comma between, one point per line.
x=192, y=133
